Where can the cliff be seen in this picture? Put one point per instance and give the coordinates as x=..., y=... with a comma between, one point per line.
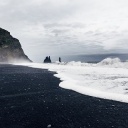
x=10, y=49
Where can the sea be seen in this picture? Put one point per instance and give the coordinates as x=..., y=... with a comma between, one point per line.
x=103, y=76
x=90, y=58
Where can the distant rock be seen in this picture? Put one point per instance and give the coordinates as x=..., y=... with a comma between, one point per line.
x=59, y=59
x=47, y=60
x=10, y=49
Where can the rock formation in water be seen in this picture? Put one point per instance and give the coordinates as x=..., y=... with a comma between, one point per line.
x=47, y=60
x=10, y=49
x=59, y=59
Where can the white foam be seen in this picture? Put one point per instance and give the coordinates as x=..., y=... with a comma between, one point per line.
x=107, y=79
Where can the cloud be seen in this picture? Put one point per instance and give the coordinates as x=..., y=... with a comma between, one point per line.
x=67, y=26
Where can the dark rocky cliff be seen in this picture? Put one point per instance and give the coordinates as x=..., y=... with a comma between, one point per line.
x=10, y=48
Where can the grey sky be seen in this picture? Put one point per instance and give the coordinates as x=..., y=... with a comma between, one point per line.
x=52, y=27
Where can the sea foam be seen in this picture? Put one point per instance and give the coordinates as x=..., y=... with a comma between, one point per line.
x=107, y=79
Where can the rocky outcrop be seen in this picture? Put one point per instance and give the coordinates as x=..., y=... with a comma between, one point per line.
x=47, y=59
x=10, y=49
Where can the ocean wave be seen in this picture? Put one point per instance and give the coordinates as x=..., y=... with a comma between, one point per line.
x=107, y=79
x=107, y=62
x=110, y=61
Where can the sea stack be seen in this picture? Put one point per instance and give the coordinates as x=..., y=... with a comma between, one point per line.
x=47, y=59
x=10, y=49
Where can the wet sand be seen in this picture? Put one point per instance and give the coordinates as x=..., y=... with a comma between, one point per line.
x=32, y=98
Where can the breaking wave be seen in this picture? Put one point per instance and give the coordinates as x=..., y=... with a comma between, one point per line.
x=108, y=62
x=107, y=79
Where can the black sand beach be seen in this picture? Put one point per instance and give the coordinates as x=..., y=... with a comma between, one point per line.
x=32, y=98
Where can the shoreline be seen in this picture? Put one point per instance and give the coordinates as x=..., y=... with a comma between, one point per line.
x=71, y=76
x=37, y=101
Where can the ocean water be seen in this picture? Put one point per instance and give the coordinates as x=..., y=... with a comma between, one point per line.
x=90, y=58
x=107, y=79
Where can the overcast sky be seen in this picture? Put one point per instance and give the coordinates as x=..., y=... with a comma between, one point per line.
x=62, y=27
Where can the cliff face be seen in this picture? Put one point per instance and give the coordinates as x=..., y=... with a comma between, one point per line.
x=10, y=48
